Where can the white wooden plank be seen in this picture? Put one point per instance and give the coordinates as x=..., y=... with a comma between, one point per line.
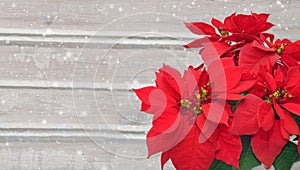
x=63, y=134
x=78, y=15
x=86, y=68
x=99, y=34
x=58, y=109
x=100, y=42
x=40, y=84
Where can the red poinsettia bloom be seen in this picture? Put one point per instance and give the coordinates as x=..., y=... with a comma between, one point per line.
x=240, y=29
x=181, y=108
x=266, y=112
x=253, y=24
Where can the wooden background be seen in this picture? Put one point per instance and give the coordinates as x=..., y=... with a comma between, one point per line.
x=67, y=67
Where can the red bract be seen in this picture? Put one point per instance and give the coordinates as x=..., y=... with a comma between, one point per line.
x=289, y=51
x=230, y=146
x=255, y=54
x=266, y=113
x=189, y=153
x=180, y=106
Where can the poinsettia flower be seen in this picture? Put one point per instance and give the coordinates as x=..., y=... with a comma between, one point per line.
x=253, y=24
x=236, y=31
x=266, y=112
x=172, y=116
x=181, y=108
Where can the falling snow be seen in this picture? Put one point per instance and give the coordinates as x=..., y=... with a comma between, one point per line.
x=68, y=70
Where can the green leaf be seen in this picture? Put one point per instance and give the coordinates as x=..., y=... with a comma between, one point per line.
x=234, y=105
x=220, y=165
x=247, y=159
x=287, y=157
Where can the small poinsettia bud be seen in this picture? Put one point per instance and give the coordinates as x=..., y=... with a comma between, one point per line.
x=279, y=50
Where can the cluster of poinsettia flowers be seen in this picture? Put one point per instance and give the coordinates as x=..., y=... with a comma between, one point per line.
x=249, y=86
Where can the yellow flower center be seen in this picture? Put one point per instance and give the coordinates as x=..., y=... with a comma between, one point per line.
x=280, y=95
x=195, y=103
x=223, y=32
x=281, y=48
x=185, y=103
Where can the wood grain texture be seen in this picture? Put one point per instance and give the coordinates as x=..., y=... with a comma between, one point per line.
x=63, y=65
x=67, y=69
x=92, y=15
x=68, y=155
x=22, y=107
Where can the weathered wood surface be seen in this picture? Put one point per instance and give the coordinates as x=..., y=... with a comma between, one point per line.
x=92, y=15
x=67, y=69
